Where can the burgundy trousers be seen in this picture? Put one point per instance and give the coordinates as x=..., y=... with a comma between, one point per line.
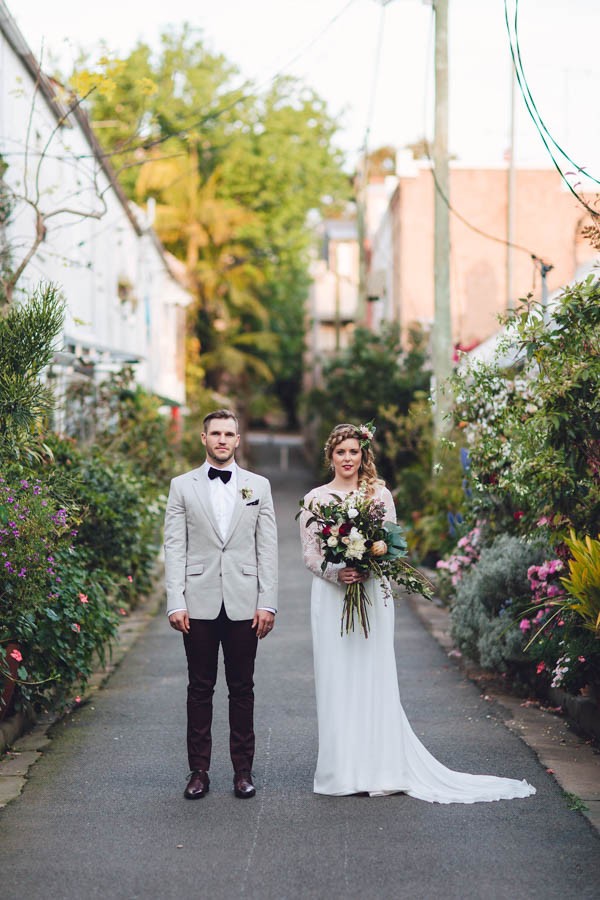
x=239, y=641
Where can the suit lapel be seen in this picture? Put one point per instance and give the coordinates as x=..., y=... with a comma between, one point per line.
x=201, y=488
x=243, y=480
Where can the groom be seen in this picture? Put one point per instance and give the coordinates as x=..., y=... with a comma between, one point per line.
x=221, y=583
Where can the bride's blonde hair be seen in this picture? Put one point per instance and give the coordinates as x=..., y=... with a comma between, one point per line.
x=367, y=473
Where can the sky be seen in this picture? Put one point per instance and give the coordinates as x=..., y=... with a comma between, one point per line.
x=333, y=46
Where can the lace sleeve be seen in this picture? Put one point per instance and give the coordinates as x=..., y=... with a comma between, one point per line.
x=390, y=507
x=311, y=550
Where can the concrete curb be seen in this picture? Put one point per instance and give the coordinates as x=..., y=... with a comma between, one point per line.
x=572, y=760
x=25, y=736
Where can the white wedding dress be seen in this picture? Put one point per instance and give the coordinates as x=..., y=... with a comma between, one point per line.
x=366, y=743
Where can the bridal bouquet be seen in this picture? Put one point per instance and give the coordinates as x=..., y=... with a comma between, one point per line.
x=353, y=531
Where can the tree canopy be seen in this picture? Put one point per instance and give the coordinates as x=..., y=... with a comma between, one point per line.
x=235, y=172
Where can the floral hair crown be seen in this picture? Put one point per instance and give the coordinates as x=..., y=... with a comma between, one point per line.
x=366, y=434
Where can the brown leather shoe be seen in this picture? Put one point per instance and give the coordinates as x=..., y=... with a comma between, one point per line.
x=197, y=786
x=242, y=785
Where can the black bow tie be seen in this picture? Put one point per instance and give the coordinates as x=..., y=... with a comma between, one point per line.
x=223, y=474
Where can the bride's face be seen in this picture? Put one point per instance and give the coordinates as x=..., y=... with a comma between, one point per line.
x=346, y=458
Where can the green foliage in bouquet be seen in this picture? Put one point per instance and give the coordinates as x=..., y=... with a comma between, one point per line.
x=353, y=531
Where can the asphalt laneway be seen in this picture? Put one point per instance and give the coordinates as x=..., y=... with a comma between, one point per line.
x=103, y=816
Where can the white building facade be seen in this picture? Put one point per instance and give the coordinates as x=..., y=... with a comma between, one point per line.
x=125, y=298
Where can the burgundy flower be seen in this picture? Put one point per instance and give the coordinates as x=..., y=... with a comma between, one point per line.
x=345, y=529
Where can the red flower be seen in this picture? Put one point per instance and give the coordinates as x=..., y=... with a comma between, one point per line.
x=326, y=530
x=16, y=655
x=541, y=667
x=345, y=529
x=518, y=515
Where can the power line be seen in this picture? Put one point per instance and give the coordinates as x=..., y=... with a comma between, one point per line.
x=533, y=104
x=374, y=83
x=213, y=115
x=438, y=188
x=300, y=53
x=532, y=109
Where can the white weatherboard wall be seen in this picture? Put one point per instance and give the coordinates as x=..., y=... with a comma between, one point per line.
x=92, y=259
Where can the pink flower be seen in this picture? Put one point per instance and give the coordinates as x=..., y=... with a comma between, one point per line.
x=76, y=627
x=541, y=667
x=77, y=699
x=543, y=521
x=122, y=612
x=581, y=658
x=129, y=578
x=83, y=598
x=560, y=623
x=16, y=655
x=524, y=625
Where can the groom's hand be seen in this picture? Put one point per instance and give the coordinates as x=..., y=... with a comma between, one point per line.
x=180, y=621
x=263, y=621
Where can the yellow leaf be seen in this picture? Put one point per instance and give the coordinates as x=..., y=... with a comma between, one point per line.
x=146, y=86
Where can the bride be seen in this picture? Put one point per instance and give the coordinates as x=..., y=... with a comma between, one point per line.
x=366, y=744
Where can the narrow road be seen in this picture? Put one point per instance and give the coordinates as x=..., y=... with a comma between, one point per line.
x=103, y=816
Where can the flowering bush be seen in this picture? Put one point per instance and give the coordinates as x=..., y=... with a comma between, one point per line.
x=533, y=431
x=57, y=613
x=543, y=579
x=79, y=528
x=468, y=551
x=488, y=601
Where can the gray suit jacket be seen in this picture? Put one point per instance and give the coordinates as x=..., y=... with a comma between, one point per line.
x=203, y=570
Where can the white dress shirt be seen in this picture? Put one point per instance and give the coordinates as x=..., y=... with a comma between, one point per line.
x=222, y=497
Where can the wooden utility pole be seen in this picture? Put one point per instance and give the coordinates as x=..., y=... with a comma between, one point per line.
x=442, y=328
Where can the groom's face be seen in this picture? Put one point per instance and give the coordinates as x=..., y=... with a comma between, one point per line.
x=220, y=439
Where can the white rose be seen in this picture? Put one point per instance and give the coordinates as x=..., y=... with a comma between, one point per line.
x=352, y=513
x=356, y=544
x=332, y=541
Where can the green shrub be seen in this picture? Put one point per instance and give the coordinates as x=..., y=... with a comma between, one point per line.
x=489, y=599
x=121, y=515
x=533, y=432
x=53, y=604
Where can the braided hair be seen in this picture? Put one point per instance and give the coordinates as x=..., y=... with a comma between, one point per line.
x=367, y=473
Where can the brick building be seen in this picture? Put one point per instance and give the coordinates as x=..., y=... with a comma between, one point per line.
x=547, y=222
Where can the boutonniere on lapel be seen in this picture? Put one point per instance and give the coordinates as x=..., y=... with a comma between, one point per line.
x=247, y=493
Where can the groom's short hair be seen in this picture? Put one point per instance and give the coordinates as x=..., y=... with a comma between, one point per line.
x=220, y=414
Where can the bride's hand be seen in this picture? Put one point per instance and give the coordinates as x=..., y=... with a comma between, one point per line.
x=351, y=576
